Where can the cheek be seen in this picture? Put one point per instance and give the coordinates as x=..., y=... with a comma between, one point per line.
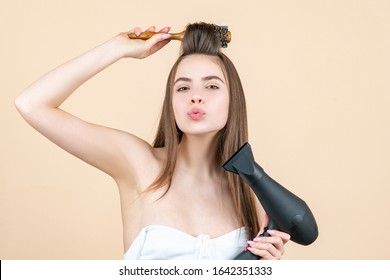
x=225, y=109
x=178, y=106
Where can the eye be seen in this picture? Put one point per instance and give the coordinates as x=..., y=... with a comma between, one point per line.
x=183, y=88
x=212, y=87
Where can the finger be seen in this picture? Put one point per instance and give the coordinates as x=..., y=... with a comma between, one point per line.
x=275, y=250
x=165, y=29
x=276, y=241
x=151, y=29
x=137, y=31
x=284, y=236
x=158, y=39
x=264, y=254
x=268, y=239
x=156, y=42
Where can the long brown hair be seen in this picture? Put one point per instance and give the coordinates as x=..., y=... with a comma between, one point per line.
x=200, y=38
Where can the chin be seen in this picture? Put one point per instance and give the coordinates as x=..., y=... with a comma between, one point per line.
x=200, y=128
x=201, y=132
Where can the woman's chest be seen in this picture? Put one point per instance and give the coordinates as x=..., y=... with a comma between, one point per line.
x=194, y=212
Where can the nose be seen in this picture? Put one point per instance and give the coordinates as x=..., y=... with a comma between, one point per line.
x=196, y=99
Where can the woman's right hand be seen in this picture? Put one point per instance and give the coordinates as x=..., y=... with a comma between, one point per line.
x=138, y=48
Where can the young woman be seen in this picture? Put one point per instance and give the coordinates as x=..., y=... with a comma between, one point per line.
x=176, y=200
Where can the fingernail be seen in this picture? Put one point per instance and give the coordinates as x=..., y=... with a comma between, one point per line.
x=250, y=249
x=165, y=36
x=250, y=242
x=257, y=239
x=271, y=231
x=138, y=33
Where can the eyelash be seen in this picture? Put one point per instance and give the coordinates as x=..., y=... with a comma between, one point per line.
x=182, y=89
x=213, y=87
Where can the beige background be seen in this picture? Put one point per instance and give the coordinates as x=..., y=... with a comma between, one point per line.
x=316, y=76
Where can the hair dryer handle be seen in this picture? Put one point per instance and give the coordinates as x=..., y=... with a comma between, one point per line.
x=247, y=255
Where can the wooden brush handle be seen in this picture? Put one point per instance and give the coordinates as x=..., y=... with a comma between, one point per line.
x=147, y=34
x=174, y=36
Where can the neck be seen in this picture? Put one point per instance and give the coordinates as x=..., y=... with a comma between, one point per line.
x=197, y=155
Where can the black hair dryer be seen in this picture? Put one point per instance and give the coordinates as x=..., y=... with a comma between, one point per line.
x=286, y=211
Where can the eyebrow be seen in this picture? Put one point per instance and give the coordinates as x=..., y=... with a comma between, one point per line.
x=207, y=78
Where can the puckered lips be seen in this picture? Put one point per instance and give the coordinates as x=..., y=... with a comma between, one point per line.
x=195, y=114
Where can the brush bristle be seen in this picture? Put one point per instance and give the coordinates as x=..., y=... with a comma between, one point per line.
x=222, y=33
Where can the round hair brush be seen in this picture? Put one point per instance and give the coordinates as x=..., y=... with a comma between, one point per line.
x=220, y=31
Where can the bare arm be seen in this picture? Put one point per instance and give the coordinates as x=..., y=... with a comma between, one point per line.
x=99, y=146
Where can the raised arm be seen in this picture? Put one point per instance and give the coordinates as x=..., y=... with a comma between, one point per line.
x=99, y=146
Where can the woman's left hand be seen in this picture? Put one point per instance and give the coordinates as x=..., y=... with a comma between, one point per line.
x=269, y=247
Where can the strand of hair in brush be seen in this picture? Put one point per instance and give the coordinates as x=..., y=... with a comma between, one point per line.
x=221, y=31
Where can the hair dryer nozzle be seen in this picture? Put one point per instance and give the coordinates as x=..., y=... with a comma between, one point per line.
x=241, y=160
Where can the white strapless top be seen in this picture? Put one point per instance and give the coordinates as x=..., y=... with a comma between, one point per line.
x=158, y=242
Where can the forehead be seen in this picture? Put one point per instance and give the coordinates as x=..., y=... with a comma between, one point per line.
x=199, y=65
